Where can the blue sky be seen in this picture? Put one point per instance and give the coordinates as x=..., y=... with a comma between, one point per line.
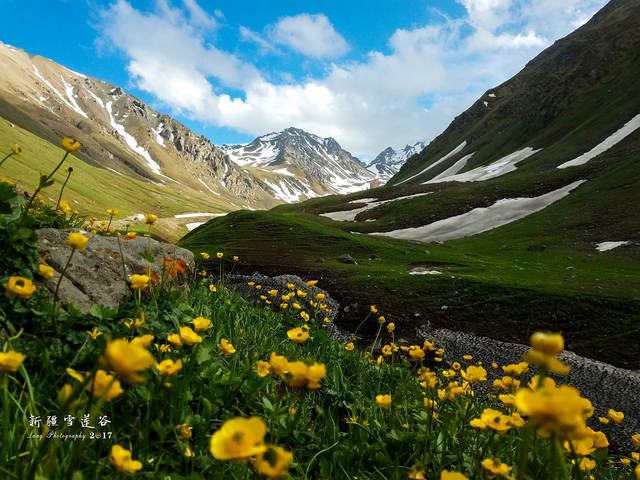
x=369, y=73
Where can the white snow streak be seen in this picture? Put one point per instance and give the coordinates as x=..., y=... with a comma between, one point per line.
x=452, y=170
x=626, y=130
x=207, y=187
x=448, y=155
x=604, y=246
x=500, y=167
x=69, y=90
x=482, y=219
x=350, y=215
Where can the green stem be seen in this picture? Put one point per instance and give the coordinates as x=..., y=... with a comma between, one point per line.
x=35, y=194
x=524, y=453
x=5, y=158
x=62, y=190
x=64, y=270
x=109, y=225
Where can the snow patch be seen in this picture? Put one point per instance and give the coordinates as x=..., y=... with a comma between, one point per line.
x=207, y=187
x=423, y=271
x=452, y=170
x=498, y=168
x=605, y=246
x=350, y=215
x=626, y=130
x=95, y=97
x=492, y=95
x=114, y=171
x=54, y=89
x=439, y=161
x=482, y=219
x=486, y=104
x=133, y=144
x=69, y=90
x=191, y=226
x=157, y=133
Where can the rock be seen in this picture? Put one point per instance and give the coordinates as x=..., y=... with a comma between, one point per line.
x=346, y=258
x=95, y=273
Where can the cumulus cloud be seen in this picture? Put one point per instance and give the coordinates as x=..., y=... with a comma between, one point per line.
x=310, y=35
x=427, y=75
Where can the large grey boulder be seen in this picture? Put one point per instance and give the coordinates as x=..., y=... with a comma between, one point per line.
x=95, y=274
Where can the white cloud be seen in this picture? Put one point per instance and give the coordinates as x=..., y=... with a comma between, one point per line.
x=310, y=35
x=428, y=75
x=199, y=16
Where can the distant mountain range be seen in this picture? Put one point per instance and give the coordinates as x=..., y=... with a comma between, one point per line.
x=306, y=165
x=388, y=162
x=122, y=134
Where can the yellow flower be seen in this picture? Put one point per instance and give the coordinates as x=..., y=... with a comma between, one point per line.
x=16, y=149
x=175, y=340
x=251, y=284
x=139, y=282
x=586, y=464
x=474, y=374
x=185, y=430
x=219, y=254
x=70, y=145
x=45, y=271
x=95, y=333
x=7, y=181
x=273, y=463
x=212, y=288
x=383, y=401
x=493, y=419
x=560, y=411
x=320, y=296
x=239, y=438
x=416, y=354
x=391, y=327
x=19, y=286
x=273, y=293
x=189, y=337
x=312, y=283
x=349, y=346
x=615, y=417
x=637, y=472
x=416, y=474
x=636, y=439
x=150, y=218
x=550, y=362
x=64, y=393
x=235, y=258
x=102, y=384
x=201, y=324
x=495, y=468
x=263, y=368
x=10, y=361
x=386, y=350
x=225, y=347
x=549, y=343
x=143, y=340
x=373, y=309
x=168, y=367
x=447, y=475
x=126, y=359
x=205, y=255
x=77, y=241
x=431, y=404
x=279, y=364
x=121, y=459
x=302, y=294
x=64, y=206
x=603, y=420
x=298, y=335
x=516, y=369
x=381, y=319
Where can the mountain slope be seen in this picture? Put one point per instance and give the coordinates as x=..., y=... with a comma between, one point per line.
x=565, y=101
x=122, y=134
x=308, y=165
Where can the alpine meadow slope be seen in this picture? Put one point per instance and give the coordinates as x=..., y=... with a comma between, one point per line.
x=526, y=268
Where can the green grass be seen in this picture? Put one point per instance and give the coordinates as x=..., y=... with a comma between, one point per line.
x=93, y=190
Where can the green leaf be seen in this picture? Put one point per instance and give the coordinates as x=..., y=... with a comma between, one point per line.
x=103, y=312
x=268, y=406
x=147, y=256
